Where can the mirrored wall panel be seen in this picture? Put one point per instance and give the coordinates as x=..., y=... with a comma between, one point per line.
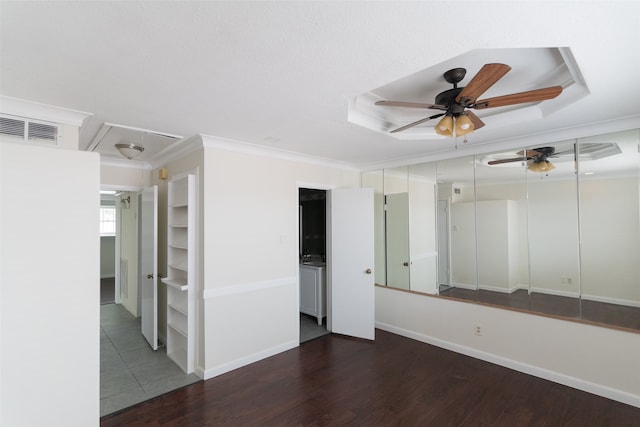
x=552, y=229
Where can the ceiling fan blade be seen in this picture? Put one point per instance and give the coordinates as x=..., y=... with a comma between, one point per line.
x=529, y=153
x=515, y=159
x=410, y=125
x=477, y=123
x=519, y=98
x=486, y=77
x=411, y=105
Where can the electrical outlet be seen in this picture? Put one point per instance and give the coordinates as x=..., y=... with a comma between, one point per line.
x=478, y=329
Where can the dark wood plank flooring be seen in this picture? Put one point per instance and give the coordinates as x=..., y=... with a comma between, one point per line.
x=573, y=308
x=395, y=381
x=107, y=290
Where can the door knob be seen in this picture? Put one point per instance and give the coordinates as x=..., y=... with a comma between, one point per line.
x=368, y=271
x=149, y=276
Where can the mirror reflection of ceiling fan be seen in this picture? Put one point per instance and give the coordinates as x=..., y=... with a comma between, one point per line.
x=457, y=102
x=536, y=159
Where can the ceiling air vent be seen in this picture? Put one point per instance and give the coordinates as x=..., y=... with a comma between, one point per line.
x=28, y=130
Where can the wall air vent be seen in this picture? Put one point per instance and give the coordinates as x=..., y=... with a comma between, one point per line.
x=20, y=129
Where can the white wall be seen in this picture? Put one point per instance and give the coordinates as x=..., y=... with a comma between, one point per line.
x=250, y=242
x=124, y=173
x=609, y=218
x=107, y=256
x=49, y=287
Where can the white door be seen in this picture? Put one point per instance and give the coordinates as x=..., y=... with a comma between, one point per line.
x=149, y=265
x=397, y=231
x=350, y=261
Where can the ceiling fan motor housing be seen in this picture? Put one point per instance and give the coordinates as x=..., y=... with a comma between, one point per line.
x=448, y=99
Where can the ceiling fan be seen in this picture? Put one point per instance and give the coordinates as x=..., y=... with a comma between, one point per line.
x=457, y=102
x=537, y=158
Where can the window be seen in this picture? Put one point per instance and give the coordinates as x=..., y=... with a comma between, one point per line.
x=107, y=220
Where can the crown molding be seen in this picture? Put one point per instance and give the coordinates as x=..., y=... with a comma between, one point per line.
x=260, y=150
x=49, y=113
x=176, y=150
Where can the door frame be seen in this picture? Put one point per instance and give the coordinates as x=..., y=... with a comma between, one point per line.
x=310, y=186
x=443, y=234
x=118, y=188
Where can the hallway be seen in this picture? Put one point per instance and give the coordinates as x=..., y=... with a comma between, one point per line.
x=130, y=371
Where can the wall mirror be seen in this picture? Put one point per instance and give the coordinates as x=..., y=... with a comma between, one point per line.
x=551, y=229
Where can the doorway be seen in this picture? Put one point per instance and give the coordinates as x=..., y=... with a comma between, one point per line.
x=130, y=370
x=312, y=257
x=443, y=246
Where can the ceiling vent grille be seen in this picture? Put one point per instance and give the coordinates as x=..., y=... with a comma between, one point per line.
x=28, y=130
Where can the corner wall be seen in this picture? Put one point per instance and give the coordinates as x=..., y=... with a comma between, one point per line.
x=49, y=287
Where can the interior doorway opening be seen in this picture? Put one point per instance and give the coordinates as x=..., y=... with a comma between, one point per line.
x=312, y=257
x=130, y=370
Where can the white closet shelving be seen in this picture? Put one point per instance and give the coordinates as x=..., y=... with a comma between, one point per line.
x=181, y=271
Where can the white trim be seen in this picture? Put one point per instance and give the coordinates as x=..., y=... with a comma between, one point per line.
x=598, y=389
x=463, y=285
x=118, y=188
x=609, y=300
x=314, y=186
x=244, y=288
x=570, y=294
x=247, y=360
x=177, y=150
x=259, y=150
x=34, y=110
x=508, y=290
x=494, y=289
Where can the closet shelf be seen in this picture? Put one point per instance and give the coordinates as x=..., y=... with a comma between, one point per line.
x=177, y=284
x=177, y=329
x=180, y=310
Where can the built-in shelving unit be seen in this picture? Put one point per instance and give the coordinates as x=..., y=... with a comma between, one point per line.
x=181, y=271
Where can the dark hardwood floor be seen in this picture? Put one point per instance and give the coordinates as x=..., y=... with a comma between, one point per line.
x=591, y=311
x=395, y=381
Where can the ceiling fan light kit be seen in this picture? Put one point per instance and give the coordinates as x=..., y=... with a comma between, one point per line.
x=464, y=125
x=445, y=126
x=541, y=167
x=456, y=103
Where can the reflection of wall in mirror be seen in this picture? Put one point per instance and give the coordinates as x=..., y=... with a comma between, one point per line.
x=422, y=240
x=610, y=234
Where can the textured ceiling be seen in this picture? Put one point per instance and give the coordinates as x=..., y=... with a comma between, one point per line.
x=282, y=74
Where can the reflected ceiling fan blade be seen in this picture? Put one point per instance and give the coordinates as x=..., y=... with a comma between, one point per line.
x=410, y=125
x=477, y=123
x=515, y=159
x=529, y=153
x=411, y=105
x=486, y=77
x=519, y=98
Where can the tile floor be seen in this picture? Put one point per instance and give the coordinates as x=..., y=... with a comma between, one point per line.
x=309, y=328
x=130, y=371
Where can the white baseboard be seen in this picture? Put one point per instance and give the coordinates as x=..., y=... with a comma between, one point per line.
x=247, y=360
x=570, y=294
x=618, y=301
x=577, y=383
x=463, y=286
